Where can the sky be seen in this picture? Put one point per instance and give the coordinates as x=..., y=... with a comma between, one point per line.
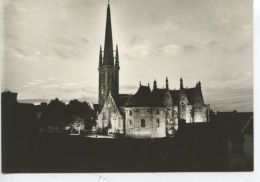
x=51, y=48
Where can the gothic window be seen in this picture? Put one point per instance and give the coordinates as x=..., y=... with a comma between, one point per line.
x=158, y=122
x=198, y=104
x=183, y=110
x=142, y=122
x=130, y=113
x=130, y=122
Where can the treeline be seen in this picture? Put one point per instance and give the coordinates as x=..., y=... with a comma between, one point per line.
x=59, y=115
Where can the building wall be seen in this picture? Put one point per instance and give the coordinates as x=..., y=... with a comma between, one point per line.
x=110, y=119
x=150, y=115
x=201, y=114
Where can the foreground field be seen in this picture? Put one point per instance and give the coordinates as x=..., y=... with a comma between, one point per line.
x=71, y=153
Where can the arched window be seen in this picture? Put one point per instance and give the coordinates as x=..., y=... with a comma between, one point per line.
x=130, y=113
x=183, y=110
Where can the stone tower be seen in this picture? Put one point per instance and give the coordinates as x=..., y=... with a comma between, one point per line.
x=108, y=65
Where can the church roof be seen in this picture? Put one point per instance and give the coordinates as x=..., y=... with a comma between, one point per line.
x=175, y=96
x=192, y=95
x=142, y=98
x=120, y=101
x=158, y=95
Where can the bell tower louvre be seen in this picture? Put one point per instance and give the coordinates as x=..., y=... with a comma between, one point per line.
x=108, y=65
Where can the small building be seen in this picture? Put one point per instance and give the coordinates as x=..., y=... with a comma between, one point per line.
x=144, y=116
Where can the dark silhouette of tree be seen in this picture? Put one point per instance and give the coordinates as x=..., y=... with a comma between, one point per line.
x=54, y=114
x=77, y=111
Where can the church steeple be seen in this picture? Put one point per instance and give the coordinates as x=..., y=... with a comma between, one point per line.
x=100, y=56
x=117, y=56
x=108, y=47
x=108, y=65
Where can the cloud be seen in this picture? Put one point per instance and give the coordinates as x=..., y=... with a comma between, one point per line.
x=140, y=45
x=67, y=89
x=237, y=49
x=12, y=36
x=61, y=53
x=86, y=40
x=89, y=90
x=128, y=87
x=210, y=43
x=50, y=86
x=40, y=81
x=50, y=78
x=20, y=9
x=170, y=48
x=170, y=26
x=31, y=83
x=63, y=14
x=21, y=51
x=189, y=48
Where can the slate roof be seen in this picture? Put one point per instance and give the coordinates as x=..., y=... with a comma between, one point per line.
x=192, y=95
x=143, y=98
x=158, y=95
x=120, y=101
x=175, y=96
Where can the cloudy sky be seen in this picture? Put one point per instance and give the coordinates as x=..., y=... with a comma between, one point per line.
x=51, y=47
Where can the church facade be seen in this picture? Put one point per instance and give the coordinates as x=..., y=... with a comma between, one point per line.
x=147, y=113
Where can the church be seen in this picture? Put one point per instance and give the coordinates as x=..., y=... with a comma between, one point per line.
x=149, y=113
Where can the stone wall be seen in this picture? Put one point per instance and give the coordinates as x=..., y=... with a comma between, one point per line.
x=110, y=119
x=154, y=118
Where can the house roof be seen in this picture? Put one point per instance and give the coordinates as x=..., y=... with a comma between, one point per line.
x=192, y=95
x=158, y=95
x=142, y=98
x=175, y=96
x=120, y=101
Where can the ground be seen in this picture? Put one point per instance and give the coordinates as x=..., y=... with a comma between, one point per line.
x=71, y=153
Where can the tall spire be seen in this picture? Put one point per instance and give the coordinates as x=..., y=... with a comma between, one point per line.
x=100, y=56
x=108, y=48
x=117, y=56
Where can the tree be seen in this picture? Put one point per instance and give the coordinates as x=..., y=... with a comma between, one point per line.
x=77, y=111
x=54, y=114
